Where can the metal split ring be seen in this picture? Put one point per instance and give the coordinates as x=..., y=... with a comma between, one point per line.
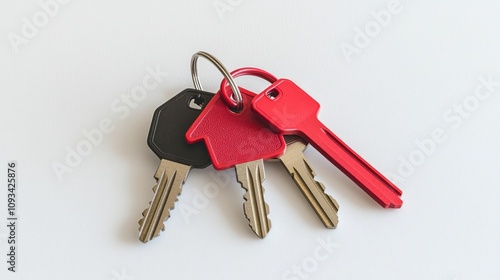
x=230, y=98
x=196, y=80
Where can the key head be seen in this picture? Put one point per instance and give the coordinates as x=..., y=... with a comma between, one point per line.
x=234, y=138
x=285, y=107
x=171, y=121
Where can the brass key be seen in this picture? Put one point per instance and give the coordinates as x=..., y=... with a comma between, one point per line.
x=302, y=174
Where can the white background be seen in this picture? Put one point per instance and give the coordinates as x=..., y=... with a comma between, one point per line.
x=395, y=90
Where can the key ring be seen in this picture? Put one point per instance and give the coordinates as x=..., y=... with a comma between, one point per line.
x=227, y=76
x=232, y=99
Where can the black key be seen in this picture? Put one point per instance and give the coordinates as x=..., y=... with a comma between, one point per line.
x=167, y=140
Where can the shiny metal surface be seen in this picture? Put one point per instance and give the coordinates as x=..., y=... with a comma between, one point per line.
x=251, y=175
x=170, y=178
x=303, y=175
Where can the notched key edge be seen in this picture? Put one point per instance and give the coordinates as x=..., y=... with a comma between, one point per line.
x=170, y=178
x=294, y=161
x=251, y=175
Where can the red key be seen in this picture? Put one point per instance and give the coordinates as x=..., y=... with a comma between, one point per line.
x=290, y=110
x=241, y=140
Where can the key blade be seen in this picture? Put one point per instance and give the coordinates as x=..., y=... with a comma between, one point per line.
x=251, y=176
x=325, y=206
x=383, y=191
x=170, y=178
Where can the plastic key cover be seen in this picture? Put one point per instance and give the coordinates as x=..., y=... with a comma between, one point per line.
x=170, y=122
x=234, y=138
x=289, y=115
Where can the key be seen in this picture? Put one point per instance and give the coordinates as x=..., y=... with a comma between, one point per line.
x=167, y=140
x=302, y=174
x=290, y=110
x=242, y=141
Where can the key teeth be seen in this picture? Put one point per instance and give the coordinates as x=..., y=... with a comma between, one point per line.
x=260, y=232
x=335, y=220
x=141, y=223
x=329, y=221
x=250, y=176
x=144, y=213
x=258, y=228
x=297, y=166
x=148, y=238
x=170, y=209
x=333, y=200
